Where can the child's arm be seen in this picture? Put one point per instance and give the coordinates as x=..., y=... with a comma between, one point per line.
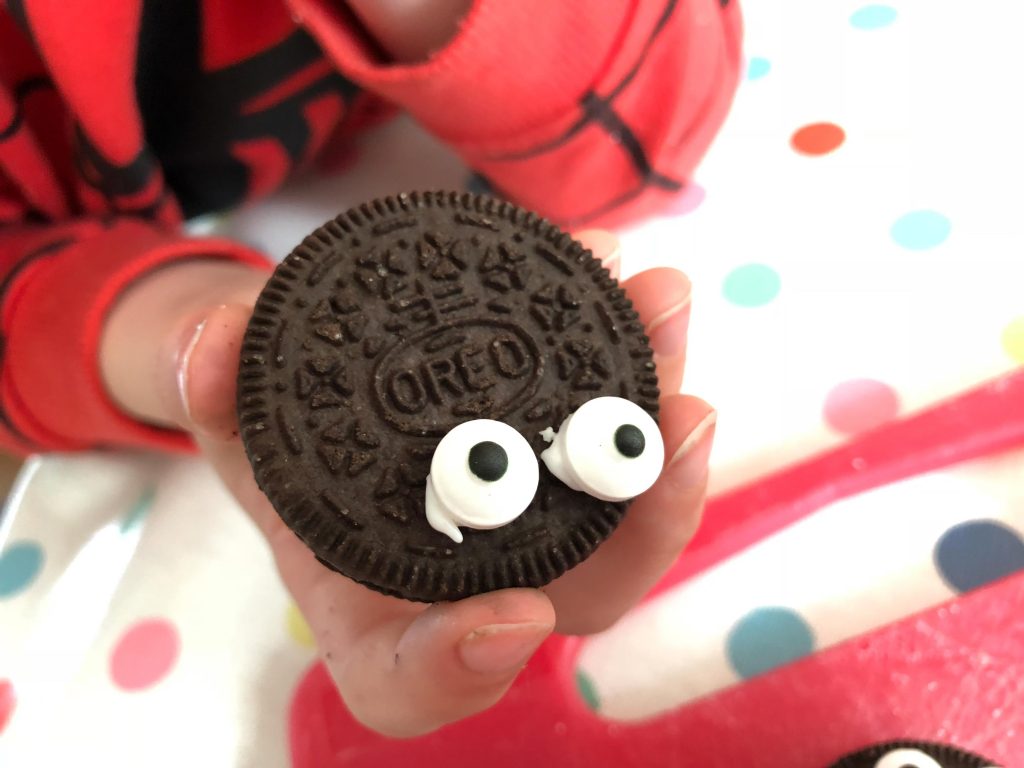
x=65, y=254
x=58, y=284
x=590, y=112
x=85, y=369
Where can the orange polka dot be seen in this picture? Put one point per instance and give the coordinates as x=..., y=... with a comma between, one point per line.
x=818, y=138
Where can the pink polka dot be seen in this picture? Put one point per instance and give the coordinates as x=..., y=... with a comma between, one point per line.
x=686, y=201
x=144, y=654
x=859, y=405
x=7, y=701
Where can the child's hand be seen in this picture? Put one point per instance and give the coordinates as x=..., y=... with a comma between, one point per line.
x=404, y=668
x=410, y=30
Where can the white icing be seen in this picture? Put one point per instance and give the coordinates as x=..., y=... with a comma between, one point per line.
x=907, y=758
x=584, y=457
x=457, y=498
x=547, y=434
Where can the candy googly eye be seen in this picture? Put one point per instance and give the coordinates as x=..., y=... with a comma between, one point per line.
x=907, y=758
x=483, y=475
x=609, y=448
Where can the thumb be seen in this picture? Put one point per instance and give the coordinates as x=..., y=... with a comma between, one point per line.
x=206, y=371
x=402, y=669
x=453, y=660
x=170, y=345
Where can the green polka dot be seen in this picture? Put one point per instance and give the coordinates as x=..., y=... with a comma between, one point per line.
x=587, y=690
x=752, y=285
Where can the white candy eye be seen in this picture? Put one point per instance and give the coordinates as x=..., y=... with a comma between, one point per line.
x=609, y=448
x=906, y=758
x=483, y=475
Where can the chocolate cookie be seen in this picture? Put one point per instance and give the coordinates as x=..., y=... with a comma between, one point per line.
x=913, y=754
x=398, y=321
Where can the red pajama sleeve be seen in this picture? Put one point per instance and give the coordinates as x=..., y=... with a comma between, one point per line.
x=591, y=112
x=57, y=284
x=118, y=122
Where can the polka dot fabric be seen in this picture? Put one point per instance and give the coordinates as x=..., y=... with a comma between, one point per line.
x=143, y=621
x=854, y=251
x=844, y=277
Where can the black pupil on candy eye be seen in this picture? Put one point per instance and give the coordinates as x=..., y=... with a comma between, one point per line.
x=629, y=440
x=488, y=461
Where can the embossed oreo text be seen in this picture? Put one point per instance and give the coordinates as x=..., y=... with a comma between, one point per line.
x=442, y=376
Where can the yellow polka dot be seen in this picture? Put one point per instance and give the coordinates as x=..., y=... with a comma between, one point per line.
x=298, y=628
x=1013, y=339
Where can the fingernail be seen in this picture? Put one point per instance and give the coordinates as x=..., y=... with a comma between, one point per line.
x=184, y=364
x=668, y=330
x=498, y=648
x=613, y=261
x=689, y=464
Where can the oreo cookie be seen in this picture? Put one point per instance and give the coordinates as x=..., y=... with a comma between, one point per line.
x=912, y=754
x=443, y=394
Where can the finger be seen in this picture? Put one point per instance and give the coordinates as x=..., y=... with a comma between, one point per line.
x=453, y=660
x=153, y=326
x=655, y=530
x=411, y=30
x=403, y=668
x=661, y=296
x=207, y=372
x=604, y=245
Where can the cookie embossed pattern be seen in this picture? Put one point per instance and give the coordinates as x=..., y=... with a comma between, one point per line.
x=398, y=321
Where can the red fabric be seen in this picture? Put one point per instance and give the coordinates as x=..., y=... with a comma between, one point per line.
x=664, y=71
x=53, y=318
x=145, y=109
x=950, y=674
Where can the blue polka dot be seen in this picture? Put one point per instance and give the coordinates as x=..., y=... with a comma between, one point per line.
x=751, y=285
x=920, y=230
x=767, y=638
x=758, y=68
x=134, y=517
x=873, y=17
x=20, y=563
x=978, y=552
x=479, y=185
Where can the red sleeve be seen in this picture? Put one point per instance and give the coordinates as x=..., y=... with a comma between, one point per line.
x=57, y=284
x=587, y=115
x=66, y=254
